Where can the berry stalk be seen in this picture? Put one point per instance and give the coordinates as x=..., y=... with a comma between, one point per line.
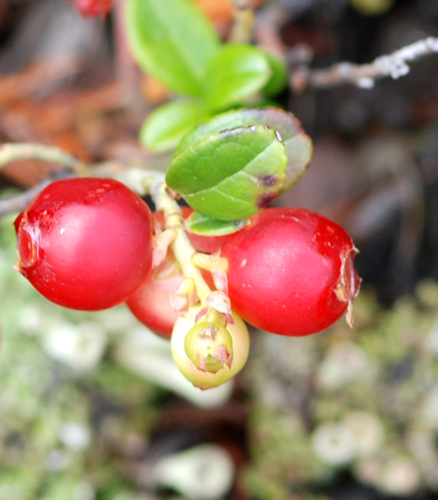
x=181, y=246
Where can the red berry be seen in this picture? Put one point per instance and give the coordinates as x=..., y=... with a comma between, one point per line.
x=85, y=243
x=151, y=305
x=92, y=8
x=291, y=271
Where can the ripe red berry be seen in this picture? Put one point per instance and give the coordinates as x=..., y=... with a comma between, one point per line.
x=151, y=304
x=291, y=271
x=85, y=243
x=92, y=8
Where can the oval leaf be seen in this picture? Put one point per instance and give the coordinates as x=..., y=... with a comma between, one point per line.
x=172, y=40
x=298, y=144
x=279, y=72
x=201, y=224
x=164, y=127
x=236, y=72
x=232, y=174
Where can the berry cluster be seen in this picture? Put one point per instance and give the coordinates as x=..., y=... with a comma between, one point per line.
x=89, y=244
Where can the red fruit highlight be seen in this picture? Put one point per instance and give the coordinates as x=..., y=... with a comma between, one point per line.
x=93, y=8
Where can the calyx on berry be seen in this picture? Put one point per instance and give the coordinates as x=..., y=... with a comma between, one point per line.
x=219, y=359
x=209, y=345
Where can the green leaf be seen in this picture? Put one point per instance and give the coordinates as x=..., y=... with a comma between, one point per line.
x=298, y=144
x=235, y=73
x=173, y=41
x=278, y=80
x=231, y=174
x=164, y=127
x=201, y=224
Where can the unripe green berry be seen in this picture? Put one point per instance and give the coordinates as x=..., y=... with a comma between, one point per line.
x=218, y=353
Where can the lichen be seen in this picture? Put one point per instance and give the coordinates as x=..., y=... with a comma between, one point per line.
x=311, y=397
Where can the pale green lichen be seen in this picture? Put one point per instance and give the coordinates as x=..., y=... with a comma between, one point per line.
x=73, y=428
x=63, y=411
x=360, y=401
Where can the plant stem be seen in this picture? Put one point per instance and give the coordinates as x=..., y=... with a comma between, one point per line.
x=19, y=202
x=31, y=151
x=181, y=245
x=244, y=20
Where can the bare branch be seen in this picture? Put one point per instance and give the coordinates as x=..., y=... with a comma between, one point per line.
x=272, y=18
x=394, y=65
x=134, y=173
x=267, y=30
x=244, y=19
x=19, y=202
x=30, y=151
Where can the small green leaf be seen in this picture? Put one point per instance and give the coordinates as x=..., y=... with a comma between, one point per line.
x=172, y=40
x=298, y=144
x=201, y=224
x=164, y=127
x=231, y=174
x=278, y=80
x=235, y=73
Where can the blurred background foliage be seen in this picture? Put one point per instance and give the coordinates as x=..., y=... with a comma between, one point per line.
x=91, y=407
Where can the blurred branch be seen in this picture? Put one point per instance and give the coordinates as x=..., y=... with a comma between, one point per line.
x=136, y=174
x=244, y=18
x=19, y=202
x=267, y=29
x=31, y=151
x=394, y=65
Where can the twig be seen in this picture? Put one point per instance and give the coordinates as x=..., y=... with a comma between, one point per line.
x=20, y=201
x=270, y=21
x=181, y=245
x=244, y=18
x=267, y=29
x=31, y=151
x=134, y=175
x=394, y=65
